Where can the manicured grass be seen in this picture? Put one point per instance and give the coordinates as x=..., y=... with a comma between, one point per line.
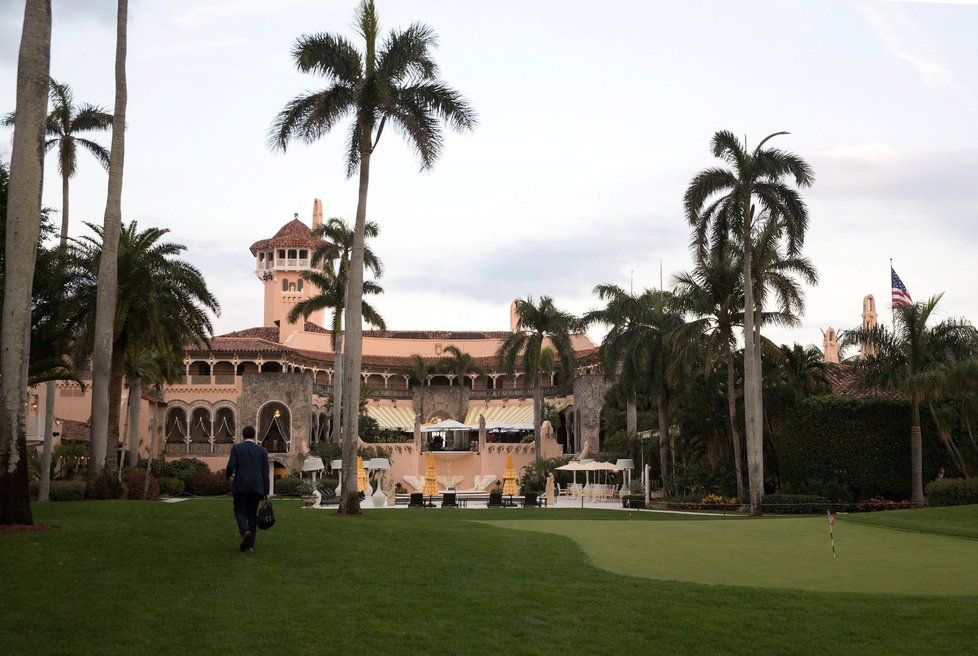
x=790, y=553
x=960, y=521
x=133, y=577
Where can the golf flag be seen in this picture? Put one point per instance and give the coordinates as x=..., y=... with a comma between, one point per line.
x=900, y=296
x=831, y=533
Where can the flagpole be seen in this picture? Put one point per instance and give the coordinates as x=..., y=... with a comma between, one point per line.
x=892, y=308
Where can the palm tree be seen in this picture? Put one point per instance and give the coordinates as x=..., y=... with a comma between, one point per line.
x=712, y=293
x=418, y=371
x=163, y=305
x=459, y=364
x=640, y=346
x=332, y=296
x=394, y=83
x=537, y=326
x=336, y=252
x=64, y=123
x=108, y=280
x=22, y=222
x=722, y=206
x=917, y=360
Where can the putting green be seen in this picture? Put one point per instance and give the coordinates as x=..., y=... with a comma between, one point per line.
x=775, y=553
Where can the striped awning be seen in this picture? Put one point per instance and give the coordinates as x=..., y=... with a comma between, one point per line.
x=510, y=415
x=400, y=418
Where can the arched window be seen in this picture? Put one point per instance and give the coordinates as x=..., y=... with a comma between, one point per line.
x=298, y=284
x=285, y=285
x=275, y=427
x=224, y=425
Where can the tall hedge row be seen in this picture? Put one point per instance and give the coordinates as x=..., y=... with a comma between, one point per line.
x=862, y=445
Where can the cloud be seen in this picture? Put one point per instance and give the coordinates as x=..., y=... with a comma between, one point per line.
x=909, y=43
x=566, y=265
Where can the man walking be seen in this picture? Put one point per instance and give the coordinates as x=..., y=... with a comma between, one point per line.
x=248, y=465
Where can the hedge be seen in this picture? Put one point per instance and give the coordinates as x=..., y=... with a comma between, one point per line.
x=794, y=503
x=135, y=482
x=861, y=447
x=171, y=486
x=952, y=492
x=290, y=485
x=61, y=490
x=206, y=484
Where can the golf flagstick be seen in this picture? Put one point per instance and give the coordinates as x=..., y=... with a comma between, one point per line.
x=831, y=535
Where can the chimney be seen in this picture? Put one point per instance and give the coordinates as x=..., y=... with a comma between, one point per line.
x=317, y=213
x=514, y=319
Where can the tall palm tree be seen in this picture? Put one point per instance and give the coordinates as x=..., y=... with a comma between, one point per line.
x=459, y=364
x=418, y=371
x=101, y=481
x=22, y=222
x=65, y=122
x=640, y=346
x=917, y=360
x=163, y=305
x=713, y=294
x=538, y=326
x=393, y=82
x=722, y=205
x=333, y=259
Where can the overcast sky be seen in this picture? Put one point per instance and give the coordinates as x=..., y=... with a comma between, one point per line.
x=593, y=118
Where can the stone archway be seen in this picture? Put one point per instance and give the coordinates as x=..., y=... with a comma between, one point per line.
x=275, y=427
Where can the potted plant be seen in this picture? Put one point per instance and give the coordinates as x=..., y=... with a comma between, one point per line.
x=310, y=495
x=496, y=497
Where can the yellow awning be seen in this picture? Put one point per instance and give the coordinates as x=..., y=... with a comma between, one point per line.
x=401, y=418
x=509, y=415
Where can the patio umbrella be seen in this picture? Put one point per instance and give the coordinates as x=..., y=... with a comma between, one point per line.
x=361, y=476
x=573, y=466
x=509, y=477
x=430, y=478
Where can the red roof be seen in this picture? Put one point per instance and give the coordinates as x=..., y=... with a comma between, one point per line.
x=294, y=234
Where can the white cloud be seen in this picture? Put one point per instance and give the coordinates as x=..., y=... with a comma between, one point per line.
x=907, y=42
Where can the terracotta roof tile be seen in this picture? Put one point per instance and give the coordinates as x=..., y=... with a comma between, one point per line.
x=293, y=234
x=844, y=380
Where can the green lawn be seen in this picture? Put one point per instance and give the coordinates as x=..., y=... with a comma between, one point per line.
x=133, y=578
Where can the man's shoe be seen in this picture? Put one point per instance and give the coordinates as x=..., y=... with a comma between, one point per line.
x=247, y=539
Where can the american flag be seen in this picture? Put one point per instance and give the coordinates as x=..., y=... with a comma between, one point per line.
x=831, y=518
x=900, y=295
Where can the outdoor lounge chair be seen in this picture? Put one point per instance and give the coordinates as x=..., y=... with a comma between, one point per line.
x=448, y=500
x=530, y=499
x=495, y=500
x=416, y=500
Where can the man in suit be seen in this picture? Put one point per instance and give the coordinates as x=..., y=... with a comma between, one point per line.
x=248, y=465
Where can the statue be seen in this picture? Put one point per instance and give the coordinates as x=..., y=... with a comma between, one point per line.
x=549, y=490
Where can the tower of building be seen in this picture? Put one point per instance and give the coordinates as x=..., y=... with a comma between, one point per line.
x=830, y=345
x=279, y=263
x=869, y=323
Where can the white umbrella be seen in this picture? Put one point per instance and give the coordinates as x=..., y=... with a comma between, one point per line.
x=447, y=425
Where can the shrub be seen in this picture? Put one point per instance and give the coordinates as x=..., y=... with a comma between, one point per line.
x=719, y=502
x=952, y=492
x=683, y=502
x=171, y=486
x=67, y=490
x=633, y=501
x=289, y=486
x=794, y=503
x=854, y=449
x=206, y=484
x=327, y=487
x=135, y=481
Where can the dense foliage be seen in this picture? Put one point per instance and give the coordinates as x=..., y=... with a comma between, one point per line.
x=952, y=492
x=849, y=449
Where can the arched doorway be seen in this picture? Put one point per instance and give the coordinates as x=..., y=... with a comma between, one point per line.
x=275, y=427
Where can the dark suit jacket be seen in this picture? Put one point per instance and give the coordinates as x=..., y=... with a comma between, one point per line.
x=249, y=466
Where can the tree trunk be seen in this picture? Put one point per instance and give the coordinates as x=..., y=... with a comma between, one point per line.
x=336, y=434
x=149, y=456
x=537, y=417
x=135, y=412
x=752, y=378
x=44, y=489
x=631, y=419
x=63, y=242
x=108, y=282
x=663, y=412
x=734, y=428
x=353, y=342
x=118, y=372
x=23, y=224
x=916, y=455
